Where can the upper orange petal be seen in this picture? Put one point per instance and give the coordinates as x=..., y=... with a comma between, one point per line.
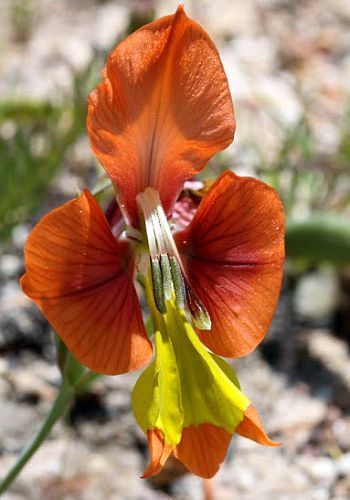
x=159, y=452
x=162, y=111
x=81, y=278
x=252, y=428
x=233, y=253
x=203, y=448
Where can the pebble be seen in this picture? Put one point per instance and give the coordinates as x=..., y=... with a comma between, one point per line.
x=23, y=327
x=343, y=464
x=19, y=236
x=11, y=266
x=317, y=295
x=188, y=487
x=322, y=470
x=332, y=352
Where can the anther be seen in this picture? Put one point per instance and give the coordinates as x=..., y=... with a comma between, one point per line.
x=178, y=282
x=157, y=285
x=165, y=265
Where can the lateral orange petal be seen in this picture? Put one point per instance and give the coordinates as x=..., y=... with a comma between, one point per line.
x=159, y=452
x=162, y=111
x=233, y=254
x=81, y=278
x=203, y=448
x=252, y=428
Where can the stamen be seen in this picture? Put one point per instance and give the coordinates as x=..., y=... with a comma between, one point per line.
x=157, y=284
x=167, y=273
x=165, y=264
x=178, y=282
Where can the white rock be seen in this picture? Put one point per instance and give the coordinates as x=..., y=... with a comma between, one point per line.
x=19, y=235
x=188, y=487
x=278, y=97
x=319, y=494
x=245, y=478
x=226, y=17
x=322, y=470
x=10, y=266
x=10, y=292
x=110, y=22
x=332, y=352
x=258, y=54
x=304, y=412
x=317, y=294
x=341, y=7
x=343, y=464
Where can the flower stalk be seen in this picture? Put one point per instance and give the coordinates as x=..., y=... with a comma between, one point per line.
x=75, y=378
x=60, y=405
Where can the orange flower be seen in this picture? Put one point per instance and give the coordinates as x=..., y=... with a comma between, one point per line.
x=161, y=112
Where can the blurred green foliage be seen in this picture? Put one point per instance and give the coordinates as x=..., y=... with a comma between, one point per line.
x=34, y=140
x=305, y=178
x=36, y=136
x=320, y=238
x=343, y=156
x=315, y=191
x=22, y=18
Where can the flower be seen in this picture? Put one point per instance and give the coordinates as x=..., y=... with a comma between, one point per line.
x=161, y=112
x=81, y=276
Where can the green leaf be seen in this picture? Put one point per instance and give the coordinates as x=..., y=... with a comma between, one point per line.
x=321, y=238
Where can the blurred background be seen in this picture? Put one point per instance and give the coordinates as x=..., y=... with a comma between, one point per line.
x=288, y=64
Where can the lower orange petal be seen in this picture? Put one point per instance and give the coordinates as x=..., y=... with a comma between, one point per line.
x=203, y=448
x=81, y=278
x=159, y=451
x=252, y=428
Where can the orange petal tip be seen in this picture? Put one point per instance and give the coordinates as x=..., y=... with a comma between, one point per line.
x=159, y=452
x=252, y=428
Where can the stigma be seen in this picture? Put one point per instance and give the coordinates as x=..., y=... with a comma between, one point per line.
x=168, y=276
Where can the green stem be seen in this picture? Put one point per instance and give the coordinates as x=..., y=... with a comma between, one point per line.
x=64, y=397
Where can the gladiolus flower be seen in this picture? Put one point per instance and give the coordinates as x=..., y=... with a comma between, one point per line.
x=162, y=111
